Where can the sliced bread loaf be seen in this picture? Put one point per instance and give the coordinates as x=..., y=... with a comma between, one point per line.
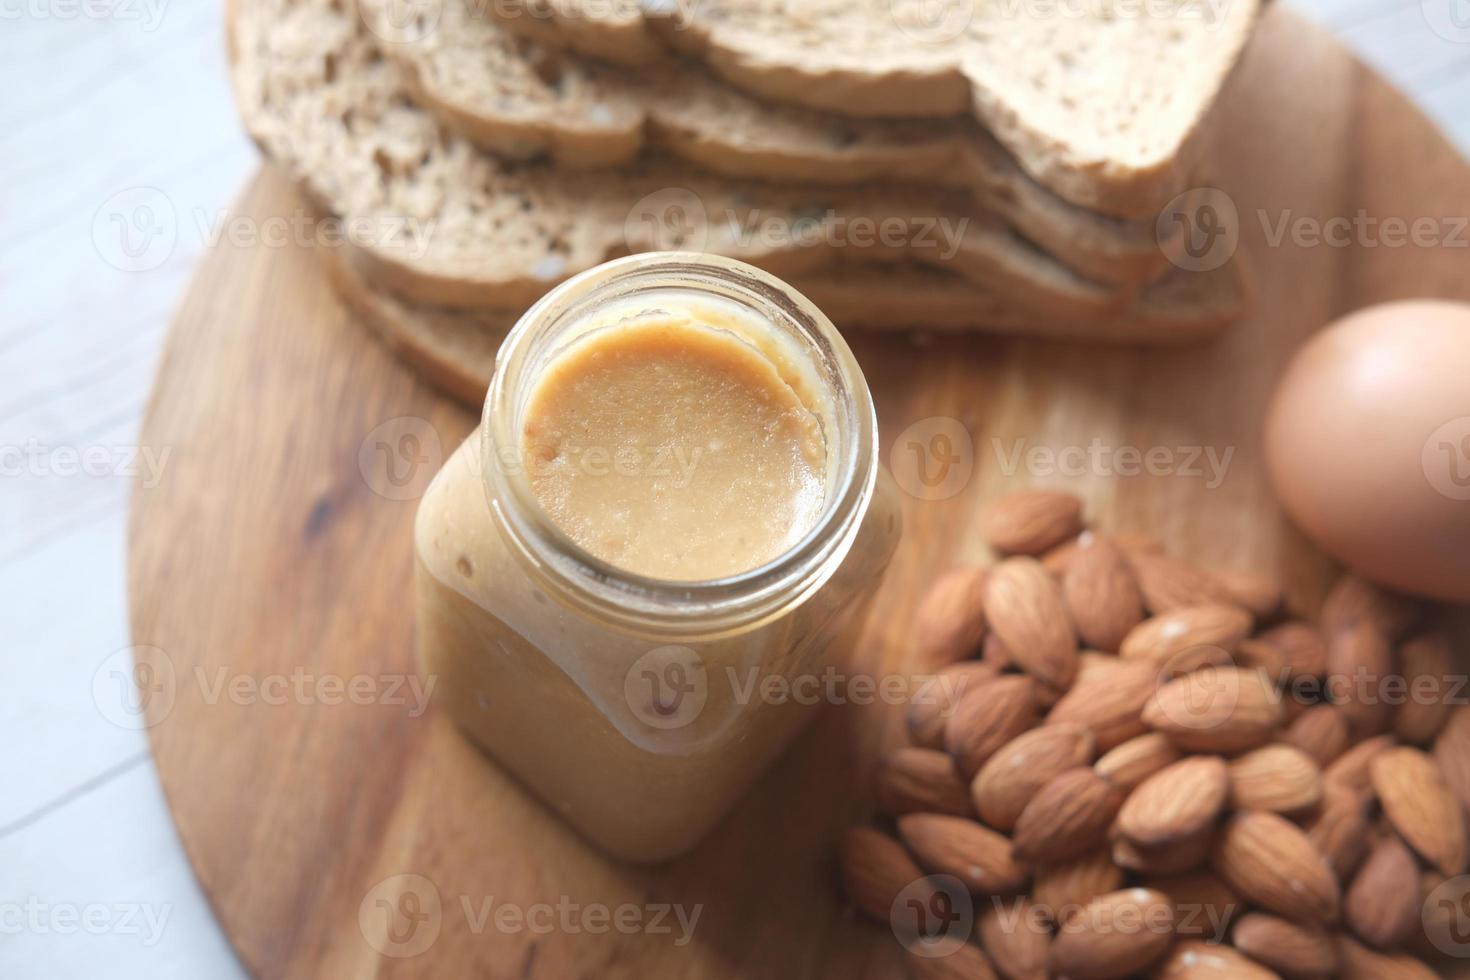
x=448, y=223
x=518, y=98
x=455, y=348
x=1098, y=100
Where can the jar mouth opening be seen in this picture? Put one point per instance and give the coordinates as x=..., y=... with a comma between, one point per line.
x=584, y=578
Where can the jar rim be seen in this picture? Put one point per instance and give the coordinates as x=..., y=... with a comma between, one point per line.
x=653, y=605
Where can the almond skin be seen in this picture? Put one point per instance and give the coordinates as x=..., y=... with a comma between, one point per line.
x=1063, y=888
x=977, y=856
x=1175, y=858
x=938, y=697
x=966, y=962
x=1027, y=612
x=1418, y=802
x=1108, y=702
x=1194, y=959
x=1431, y=677
x=1452, y=752
x=1321, y=732
x=1351, y=768
x=1357, y=962
x=1204, y=905
x=1167, y=583
x=1135, y=760
x=913, y=780
x=1115, y=935
x=1223, y=710
x=987, y=718
x=1269, y=861
x=1260, y=595
x=1275, y=777
x=1291, y=949
x=1382, y=903
x=1102, y=594
x=875, y=868
x=1359, y=661
x=1300, y=644
x=1030, y=522
x=949, y=625
x=1175, y=803
x=1067, y=817
x=1174, y=633
x=1339, y=831
x=1017, y=935
x=1008, y=780
x=1352, y=600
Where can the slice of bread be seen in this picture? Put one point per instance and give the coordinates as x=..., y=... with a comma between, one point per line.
x=518, y=98
x=450, y=224
x=455, y=348
x=1100, y=101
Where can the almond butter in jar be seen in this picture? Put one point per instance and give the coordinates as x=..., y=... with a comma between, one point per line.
x=673, y=499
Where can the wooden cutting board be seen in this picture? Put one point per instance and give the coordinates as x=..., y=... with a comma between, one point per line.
x=274, y=562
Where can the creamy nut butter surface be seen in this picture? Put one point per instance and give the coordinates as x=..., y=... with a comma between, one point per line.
x=673, y=501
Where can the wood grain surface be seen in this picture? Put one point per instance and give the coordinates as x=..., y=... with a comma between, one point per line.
x=276, y=549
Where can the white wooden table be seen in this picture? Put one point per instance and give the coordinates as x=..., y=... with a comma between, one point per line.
x=119, y=153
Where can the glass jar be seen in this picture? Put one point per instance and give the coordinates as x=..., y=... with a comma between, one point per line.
x=642, y=709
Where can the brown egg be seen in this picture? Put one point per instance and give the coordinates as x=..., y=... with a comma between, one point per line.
x=1368, y=444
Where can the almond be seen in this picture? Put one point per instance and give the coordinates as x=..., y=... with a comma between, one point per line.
x=1292, y=949
x=1194, y=959
x=950, y=622
x=1275, y=777
x=1321, y=732
x=1352, y=600
x=1108, y=702
x=875, y=868
x=1165, y=637
x=1175, y=858
x=1339, y=831
x=1008, y=780
x=1135, y=760
x=1351, y=768
x=1061, y=889
x=1168, y=584
x=1067, y=817
x=1178, y=802
x=1258, y=594
x=1030, y=522
x=1452, y=752
x=1418, y=802
x=987, y=718
x=1381, y=904
x=1025, y=608
x=1115, y=935
x=1359, y=661
x=1301, y=644
x=938, y=696
x=1254, y=655
x=1431, y=679
x=1357, y=962
x=1269, y=861
x=1102, y=594
x=975, y=855
x=1017, y=935
x=1222, y=710
x=920, y=780
x=965, y=962
x=994, y=653
x=1057, y=560
x=1203, y=904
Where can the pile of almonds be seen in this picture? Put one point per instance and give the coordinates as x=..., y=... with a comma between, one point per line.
x=1129, y=765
